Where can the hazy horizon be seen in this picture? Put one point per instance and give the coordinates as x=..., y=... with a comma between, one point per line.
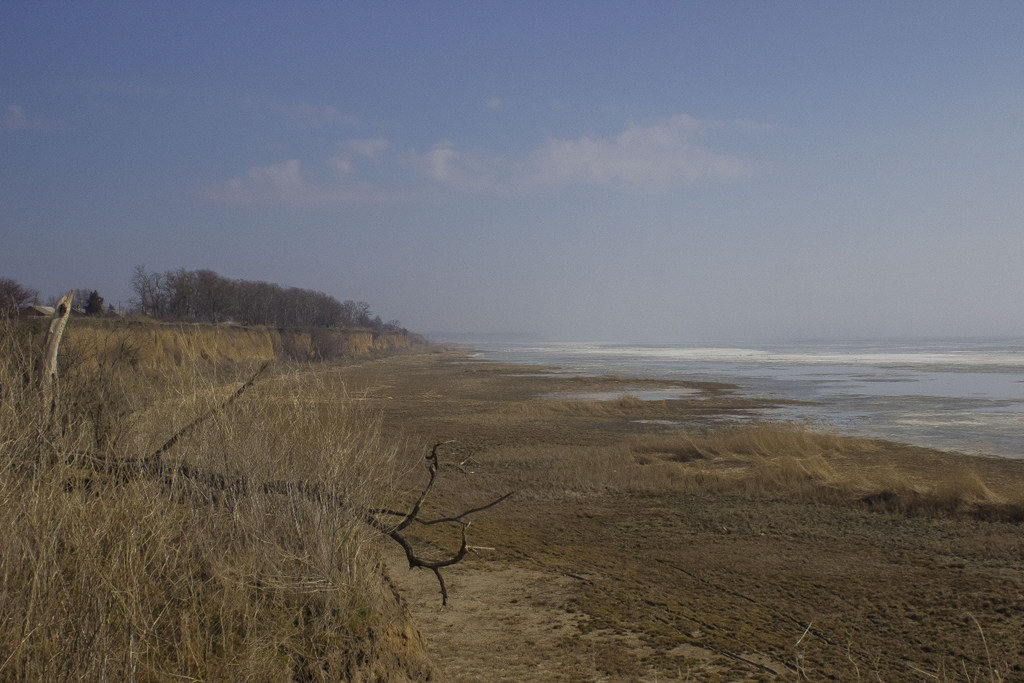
x=822, y=342
x=659, y=172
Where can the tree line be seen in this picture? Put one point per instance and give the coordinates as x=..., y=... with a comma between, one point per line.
x=205, y=296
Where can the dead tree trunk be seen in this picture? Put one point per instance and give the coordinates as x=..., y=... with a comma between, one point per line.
x=48, y=378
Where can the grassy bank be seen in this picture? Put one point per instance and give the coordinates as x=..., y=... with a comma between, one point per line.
x=110, y=573
x=147, y=345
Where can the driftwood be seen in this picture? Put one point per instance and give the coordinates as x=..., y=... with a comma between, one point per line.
x=152, y=467
x=394, y=531
x=187, y=429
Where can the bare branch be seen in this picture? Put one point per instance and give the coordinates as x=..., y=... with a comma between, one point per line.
x=459, y=517
x=416, y=562
x=208, y=414
x=394, y=532
x=441, y=520
x=432, y=459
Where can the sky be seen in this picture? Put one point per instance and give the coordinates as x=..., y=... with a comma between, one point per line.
x=653, y=172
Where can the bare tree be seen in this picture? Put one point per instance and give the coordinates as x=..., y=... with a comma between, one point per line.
x=13, y=296
x=181, y=293
x=362, y=315
x=214, y=296
x=205, y=296
x=151, y=297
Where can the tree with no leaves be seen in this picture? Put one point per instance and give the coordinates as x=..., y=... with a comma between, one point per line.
x=13, y=296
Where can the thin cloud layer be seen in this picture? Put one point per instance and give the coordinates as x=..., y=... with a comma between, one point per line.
x=651, y=158
x=654, y=158
x=286, y=184
x=12, y=117
x=470, y=171
x=369, y=148
x=642, y=158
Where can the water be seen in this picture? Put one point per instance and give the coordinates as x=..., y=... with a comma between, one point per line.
x=965, y=396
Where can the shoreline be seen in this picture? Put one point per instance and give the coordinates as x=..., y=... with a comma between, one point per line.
x=952, y=397
x=636, y=549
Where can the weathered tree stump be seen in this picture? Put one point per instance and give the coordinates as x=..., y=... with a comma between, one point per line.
x=48, y=379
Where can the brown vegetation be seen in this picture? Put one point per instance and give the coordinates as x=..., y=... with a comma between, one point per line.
x=146, y=345
x=787, y=460
x=683, y=539
x=115, y=577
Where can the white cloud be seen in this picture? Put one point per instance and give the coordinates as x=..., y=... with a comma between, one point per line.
x=286, y=183
x=371, y=149
x=277, y=183
x=463, y=170
x=341, y=165
x=652, y=157
x=642, y=158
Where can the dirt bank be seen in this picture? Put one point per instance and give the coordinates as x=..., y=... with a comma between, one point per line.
x=151, y=345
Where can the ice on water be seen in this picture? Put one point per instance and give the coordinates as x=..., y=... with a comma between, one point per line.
x=966, y=396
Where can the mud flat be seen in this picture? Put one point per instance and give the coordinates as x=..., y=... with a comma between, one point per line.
x=678, y=538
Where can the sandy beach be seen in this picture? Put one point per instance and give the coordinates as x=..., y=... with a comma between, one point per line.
x=642, y=542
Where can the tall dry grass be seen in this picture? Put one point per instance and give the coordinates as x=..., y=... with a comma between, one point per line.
x=129, y=578
x=795, y=461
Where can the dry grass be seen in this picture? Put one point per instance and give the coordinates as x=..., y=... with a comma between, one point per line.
x=624, y=405
x=763, y=459
x=108, y=578
x=783, y=459
x=148, y=345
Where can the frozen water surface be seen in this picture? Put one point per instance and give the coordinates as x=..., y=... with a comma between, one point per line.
x=966, y=396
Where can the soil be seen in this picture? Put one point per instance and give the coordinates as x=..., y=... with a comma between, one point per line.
x=575, y=579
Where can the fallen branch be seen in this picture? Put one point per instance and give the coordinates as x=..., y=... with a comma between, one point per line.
x=152, y=467
x=416, y=562
x=458, y=517
x=239, y=486
x=187, y=429
x=393, y=532
x=432, y=468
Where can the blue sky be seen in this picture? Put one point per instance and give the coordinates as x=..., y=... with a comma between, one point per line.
x=642, y=171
